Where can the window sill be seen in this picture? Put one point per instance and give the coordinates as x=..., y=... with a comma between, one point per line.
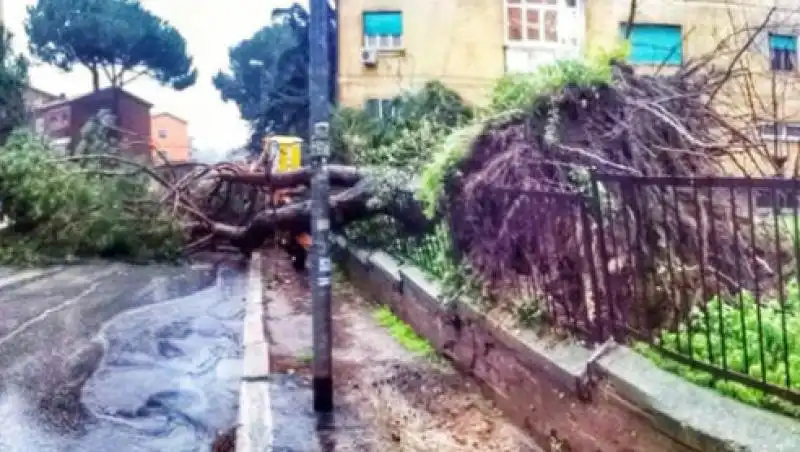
x=771, y=140
x=535, y=45
x=388, y=52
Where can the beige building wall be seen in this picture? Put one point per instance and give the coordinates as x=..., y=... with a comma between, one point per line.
x=722, y=27
x=459, y=42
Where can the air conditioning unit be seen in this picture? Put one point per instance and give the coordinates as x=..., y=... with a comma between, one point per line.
x=369, y=57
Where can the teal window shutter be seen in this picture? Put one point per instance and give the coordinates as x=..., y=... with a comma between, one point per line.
x=655, y=44
x=383, y=23
x=783, y=42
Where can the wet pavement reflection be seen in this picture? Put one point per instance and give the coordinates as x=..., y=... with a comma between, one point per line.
x=167, y=380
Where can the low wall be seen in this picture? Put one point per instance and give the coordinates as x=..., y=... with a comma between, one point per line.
x=567, y=397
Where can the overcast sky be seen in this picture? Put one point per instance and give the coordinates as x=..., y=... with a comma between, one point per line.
x=210, y=28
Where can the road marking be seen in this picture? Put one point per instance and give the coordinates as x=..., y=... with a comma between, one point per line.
x=44, y=314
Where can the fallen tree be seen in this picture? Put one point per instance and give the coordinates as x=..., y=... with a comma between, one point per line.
x=544, y=134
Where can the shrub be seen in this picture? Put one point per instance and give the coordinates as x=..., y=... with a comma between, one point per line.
x=60, y=211
x=406, y=139
x=734, y=329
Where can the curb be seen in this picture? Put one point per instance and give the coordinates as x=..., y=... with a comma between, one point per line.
x=254, y=432
x=541, y=385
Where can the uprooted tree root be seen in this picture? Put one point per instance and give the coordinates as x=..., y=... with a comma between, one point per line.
x=512, y=202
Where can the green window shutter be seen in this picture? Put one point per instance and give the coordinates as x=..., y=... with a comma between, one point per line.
x=655, y=44
x=783, y=42
x=383, y=23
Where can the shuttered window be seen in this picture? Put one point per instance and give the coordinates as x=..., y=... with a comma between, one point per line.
x=655, y=44
x=383, y=30
x=783, y=52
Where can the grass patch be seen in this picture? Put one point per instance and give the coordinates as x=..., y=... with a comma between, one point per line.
x=305, y=357
x=403, y=333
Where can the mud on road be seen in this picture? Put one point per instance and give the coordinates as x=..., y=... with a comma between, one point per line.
x=387, y=397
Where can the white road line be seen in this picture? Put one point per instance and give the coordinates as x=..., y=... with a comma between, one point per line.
x=44, y=314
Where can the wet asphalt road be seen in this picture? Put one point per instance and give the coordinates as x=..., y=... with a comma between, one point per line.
x=106, y=356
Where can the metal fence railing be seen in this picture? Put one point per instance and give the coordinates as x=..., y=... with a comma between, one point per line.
x=704, y=270
x=712, y=281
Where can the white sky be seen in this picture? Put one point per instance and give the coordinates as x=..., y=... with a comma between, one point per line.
x=210, y=27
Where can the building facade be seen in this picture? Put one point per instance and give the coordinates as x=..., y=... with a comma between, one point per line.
x=387, y=47
x=670, y=32
x=63, y=120
x=170, y=135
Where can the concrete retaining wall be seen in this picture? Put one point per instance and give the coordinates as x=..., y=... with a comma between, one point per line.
x=567, y=397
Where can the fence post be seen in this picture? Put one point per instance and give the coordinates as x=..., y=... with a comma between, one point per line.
x=592, y=325
x=601, y=261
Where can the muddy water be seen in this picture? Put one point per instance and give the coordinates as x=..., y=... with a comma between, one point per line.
x=162, y=377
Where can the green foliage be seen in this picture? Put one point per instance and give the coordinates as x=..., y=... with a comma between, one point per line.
x=513, y=95
x=96, y=137
x=521, y=91
x=272, y=95
x=448, y=154
x=13, y=76
x=407, y=138
x=59, y=211
x=402, y=333
x=732, y=326
x=119, y=36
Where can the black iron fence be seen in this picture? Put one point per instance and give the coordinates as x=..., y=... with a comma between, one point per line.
x=707, y=270
x=704, y=271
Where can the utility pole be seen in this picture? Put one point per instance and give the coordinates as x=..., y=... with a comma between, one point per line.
x=319, y=112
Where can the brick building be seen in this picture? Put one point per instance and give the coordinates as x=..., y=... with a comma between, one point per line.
x=63, y=120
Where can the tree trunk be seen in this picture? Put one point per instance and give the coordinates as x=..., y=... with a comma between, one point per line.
x=95, y=78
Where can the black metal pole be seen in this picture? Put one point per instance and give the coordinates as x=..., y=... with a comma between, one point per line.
x=321, y=316
x=319, y=111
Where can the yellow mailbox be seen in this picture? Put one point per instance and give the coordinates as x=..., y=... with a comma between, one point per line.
x=285, y=152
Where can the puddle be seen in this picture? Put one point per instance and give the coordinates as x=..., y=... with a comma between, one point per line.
x=167, y=380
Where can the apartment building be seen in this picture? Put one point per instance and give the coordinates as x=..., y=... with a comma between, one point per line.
x=170, y=135
x=63, y=120
x=390, y=46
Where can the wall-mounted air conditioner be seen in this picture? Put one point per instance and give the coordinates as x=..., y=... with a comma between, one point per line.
x=369, y=57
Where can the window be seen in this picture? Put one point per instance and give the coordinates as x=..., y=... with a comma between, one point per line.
x=655, y=44
x=783, y=52
x=533, y=20
x=162, y=133
x=779, y=130
x=380, y=108
x=57, y=119
x=383, y=30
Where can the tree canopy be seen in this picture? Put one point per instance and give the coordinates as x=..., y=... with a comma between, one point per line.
x=13, y=76
x=118, y=37
x=268, y=75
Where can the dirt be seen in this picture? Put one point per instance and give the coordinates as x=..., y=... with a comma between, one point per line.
x=387, y=397
x=225, y=441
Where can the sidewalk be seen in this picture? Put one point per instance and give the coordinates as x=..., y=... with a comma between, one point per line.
x=387, y=396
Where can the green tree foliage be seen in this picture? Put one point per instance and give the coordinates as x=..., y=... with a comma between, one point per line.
x=55, y=210
x=268, y=75
x=118, y=37
x=13, y=75
x=408, y=137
